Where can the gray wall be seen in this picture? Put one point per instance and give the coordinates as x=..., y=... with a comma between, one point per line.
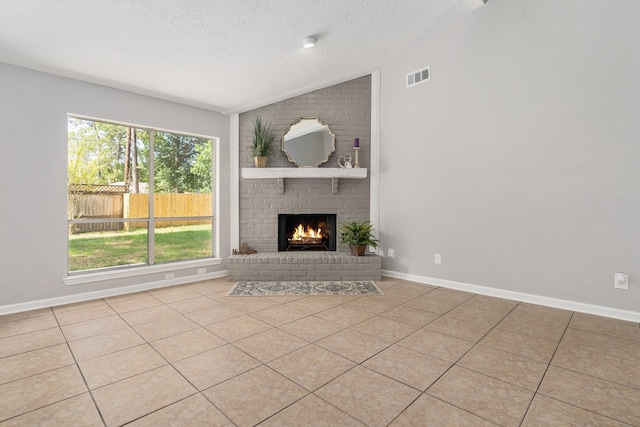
x=518, y=161
x=346, y=108
x=33, y=177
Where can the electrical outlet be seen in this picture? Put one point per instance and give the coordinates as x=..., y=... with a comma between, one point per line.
x=621, y=281
x=437, y=258
x=169, y=276
x=202, y=270
x=391, y=253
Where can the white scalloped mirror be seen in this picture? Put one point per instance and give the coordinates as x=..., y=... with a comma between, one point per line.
x=308, y=142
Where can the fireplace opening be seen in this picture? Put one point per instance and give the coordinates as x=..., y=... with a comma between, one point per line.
x=307, y=232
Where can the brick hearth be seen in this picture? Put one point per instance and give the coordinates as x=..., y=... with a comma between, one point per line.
x=309, y=266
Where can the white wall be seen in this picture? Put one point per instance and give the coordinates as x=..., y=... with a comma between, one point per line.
x=518, y=161
x=33, y=149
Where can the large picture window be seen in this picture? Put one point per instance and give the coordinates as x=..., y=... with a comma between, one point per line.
x=137, y=196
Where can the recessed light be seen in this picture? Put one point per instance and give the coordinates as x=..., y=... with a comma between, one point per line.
x=309, y=42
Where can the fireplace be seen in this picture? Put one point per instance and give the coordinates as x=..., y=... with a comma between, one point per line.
x=307, y=232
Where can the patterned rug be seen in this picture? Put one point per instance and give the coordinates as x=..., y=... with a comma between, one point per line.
x=305, y=288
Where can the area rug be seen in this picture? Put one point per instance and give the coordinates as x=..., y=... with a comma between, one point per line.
x=305, y=288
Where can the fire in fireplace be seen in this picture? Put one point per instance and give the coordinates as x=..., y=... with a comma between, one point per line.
x=308, y=232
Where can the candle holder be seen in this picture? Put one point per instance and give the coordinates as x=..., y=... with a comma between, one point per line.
x=356, y=163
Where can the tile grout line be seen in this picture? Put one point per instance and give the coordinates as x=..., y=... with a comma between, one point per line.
x=536, y=392
x=308, y=315
x=313, y=392
x=198, y=392
x=374, y=315
x=361, y=364
x=460, y=358
x=265, y=364
x=84, y=379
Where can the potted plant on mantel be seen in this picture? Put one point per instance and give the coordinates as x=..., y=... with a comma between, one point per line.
x=358, y=236
x=262, y=140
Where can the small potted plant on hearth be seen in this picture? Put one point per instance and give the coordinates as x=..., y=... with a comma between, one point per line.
x=262, y=140
x=358, y=236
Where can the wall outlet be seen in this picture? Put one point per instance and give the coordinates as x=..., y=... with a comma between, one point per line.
x=621, y=281
x=202, y=270
x=391, y=253
x=437, y=258
x=169, y=276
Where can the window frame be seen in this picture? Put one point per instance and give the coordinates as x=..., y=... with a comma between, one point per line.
x=151, y=266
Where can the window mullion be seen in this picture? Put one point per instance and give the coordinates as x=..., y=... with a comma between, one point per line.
x=151, y=235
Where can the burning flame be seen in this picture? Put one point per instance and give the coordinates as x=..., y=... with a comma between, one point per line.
x=310, y=232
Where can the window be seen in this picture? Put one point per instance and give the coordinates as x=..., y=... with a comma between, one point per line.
x=137, y=196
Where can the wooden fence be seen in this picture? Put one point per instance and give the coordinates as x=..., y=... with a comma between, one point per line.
x=96, y=206
x=167, y=205
x=129, y=205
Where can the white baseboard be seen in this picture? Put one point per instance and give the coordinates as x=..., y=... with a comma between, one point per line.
x=105, y=293
x=597, y=310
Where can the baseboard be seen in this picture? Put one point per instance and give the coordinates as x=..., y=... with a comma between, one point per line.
x=597, y=310
x=105, y=293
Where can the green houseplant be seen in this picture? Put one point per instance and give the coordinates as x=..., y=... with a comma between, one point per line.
x=262, y=142
x=358, y=236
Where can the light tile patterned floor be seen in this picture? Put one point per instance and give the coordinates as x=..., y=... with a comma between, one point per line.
x=419, y=355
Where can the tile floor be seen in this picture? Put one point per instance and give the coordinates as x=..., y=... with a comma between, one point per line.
x=419, y=355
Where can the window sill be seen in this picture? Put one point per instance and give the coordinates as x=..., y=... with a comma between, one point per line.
x=84, y=278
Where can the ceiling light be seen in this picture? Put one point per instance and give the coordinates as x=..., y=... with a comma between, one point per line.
x=309, y=42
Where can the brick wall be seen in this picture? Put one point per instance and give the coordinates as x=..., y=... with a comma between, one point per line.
x=346, y=109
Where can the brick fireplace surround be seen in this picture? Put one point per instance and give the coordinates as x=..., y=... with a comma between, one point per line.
x=346, y=109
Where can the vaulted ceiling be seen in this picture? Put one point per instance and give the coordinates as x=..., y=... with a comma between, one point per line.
x=224, y=55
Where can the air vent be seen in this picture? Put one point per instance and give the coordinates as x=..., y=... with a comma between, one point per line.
x=418, y=77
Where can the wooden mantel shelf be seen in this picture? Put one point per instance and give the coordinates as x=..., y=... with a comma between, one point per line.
x=280, y=173
x=260, y=173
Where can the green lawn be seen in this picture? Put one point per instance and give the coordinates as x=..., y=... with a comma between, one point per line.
x=112, y=248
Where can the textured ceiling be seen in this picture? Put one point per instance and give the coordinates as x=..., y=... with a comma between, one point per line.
x=224, y=55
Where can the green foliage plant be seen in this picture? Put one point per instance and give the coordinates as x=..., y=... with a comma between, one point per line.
x=356, y=234
x=262, y=139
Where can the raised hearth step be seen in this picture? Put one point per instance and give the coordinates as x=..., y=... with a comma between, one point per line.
x=288, y=266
